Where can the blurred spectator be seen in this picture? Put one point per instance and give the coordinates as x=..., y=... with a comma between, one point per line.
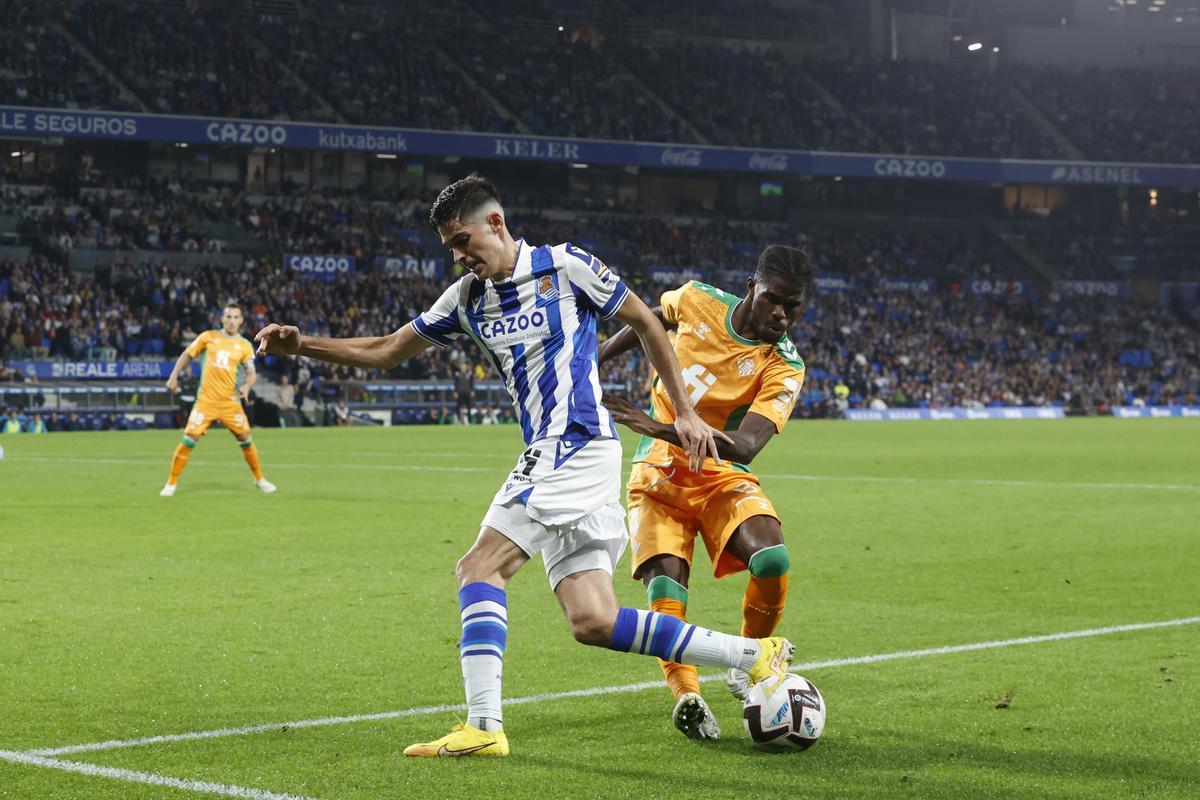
x=287, y=393
x=341, y=414
x=464, y=392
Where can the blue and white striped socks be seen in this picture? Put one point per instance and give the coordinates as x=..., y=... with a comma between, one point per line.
x=484, y=635
x=654, y=634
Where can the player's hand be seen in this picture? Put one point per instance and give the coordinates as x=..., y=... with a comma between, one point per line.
x=245, y=394
x=698, y=438
x=282, y=340
x=629, y=415
x=173, y=384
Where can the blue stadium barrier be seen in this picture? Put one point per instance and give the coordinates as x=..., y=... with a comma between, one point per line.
x=1129, y=412
x=893, y=414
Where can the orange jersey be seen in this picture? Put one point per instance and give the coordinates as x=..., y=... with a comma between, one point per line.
x=726, y=375
x=221, y=358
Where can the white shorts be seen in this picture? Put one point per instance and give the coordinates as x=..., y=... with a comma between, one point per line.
x=563, y=500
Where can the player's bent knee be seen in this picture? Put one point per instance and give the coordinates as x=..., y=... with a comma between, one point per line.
x=770, y=562
x=592, y=629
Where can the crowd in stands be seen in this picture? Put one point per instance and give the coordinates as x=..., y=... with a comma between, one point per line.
x=947, y=109
x=751, y=100
x=386, y=73
x=882, y=344
x=38, y=67
x=201, y=61
x=911, y=350
x=413, y=65
x=1160, y=245
x=1147, y=114
x=154, y=215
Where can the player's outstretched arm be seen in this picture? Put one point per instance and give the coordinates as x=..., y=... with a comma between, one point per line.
x=180, y=363
x=740, y=446
x=369, y=352
x=626, y=338
x=697, y=438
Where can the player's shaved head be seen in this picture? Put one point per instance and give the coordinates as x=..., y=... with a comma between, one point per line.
x=464, y=200
x=789, y=266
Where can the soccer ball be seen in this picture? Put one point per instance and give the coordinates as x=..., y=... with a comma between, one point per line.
x=784, y=713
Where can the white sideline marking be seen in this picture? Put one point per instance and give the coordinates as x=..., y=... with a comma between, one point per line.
x=132, y=776
x=605, y=690
x=1177, y=487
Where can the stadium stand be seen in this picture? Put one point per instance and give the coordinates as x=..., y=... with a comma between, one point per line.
x=601, y=76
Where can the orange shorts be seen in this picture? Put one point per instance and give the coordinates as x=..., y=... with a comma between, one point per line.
x=669, y=506
x=206, y=412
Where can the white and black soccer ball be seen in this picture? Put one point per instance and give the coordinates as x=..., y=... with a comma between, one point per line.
x=784, y=713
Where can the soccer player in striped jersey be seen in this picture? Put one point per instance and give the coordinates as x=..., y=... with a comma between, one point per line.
x=223, y=354
x=533, y=310
x=743, y=376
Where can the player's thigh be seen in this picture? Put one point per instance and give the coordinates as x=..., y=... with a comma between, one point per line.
x=660, y=519
x=199, y=420
x=233, y=417
x=732, y=501
x=757, y=533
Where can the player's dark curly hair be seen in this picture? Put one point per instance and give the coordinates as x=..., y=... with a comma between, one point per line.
x=792, y=265
x=462, y=199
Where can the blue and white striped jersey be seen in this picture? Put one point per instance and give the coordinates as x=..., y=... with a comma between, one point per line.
x=538, y=329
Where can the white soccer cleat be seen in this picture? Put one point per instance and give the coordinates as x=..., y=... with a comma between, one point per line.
x=167, y=491
x=738, y=682
x=694, y=718
x=265, y=486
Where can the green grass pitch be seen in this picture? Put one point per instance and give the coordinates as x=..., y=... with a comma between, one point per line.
x=126, y=615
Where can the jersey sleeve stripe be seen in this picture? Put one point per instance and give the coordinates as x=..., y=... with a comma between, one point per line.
x=436, y=332
x=616, y=301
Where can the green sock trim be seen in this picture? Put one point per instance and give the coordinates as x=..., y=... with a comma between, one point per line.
x=189, y=443
x=770, y=562
x=662, y=587
x=246, y=443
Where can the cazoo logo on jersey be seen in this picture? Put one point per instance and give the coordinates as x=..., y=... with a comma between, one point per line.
x=910, y=168
x=515, y=328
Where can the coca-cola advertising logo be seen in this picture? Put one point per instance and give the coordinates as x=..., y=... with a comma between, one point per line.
x=687, y=157
x=769, y=162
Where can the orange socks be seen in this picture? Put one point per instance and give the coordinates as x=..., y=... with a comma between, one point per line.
x=670, y=598
x=183, y=451
x=250, y=452
x=762, y=605
x=766, y=595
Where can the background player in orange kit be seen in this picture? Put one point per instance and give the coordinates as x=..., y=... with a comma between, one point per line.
x=743, y=375
x=223, y=353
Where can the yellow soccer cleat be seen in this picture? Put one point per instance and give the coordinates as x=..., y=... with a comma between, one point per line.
x=774, y=659
x=463, y=740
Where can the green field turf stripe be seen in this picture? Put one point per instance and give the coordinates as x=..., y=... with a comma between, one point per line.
x=606, y=690
x=149, y=778
x=1002, y=482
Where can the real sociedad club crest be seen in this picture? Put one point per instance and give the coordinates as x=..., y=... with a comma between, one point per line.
x=546, y=291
